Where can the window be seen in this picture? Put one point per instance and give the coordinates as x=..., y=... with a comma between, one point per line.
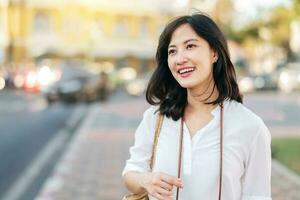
x=99, y=26
x=1, y=23
x=121, y=63
x=41, y=23
x=72, y=25
x=121, y=28
x=144, y=29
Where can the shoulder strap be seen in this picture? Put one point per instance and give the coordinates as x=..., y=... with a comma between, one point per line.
x=159, y=121
x=221, y=149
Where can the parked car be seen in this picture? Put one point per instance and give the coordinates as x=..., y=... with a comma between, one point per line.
x=253, y=83
x=65, y=90
x=75, y=85
x=289, y=77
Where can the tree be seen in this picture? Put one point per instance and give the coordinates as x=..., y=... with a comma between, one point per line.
x=223, y=14
x=277, y=23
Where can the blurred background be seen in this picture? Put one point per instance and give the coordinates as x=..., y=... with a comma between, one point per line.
x=59, y=58
x=41, y=39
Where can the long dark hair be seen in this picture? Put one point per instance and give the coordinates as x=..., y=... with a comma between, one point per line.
x=165, y=91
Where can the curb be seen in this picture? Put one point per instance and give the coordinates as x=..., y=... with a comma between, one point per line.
x=21, y=185
x=282, y=169
x=54, y=181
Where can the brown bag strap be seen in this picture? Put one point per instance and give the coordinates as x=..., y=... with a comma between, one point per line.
x=221, y=153
x=180, y=156
x=158, y=125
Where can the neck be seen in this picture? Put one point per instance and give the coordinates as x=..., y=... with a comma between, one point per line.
x=197, y=97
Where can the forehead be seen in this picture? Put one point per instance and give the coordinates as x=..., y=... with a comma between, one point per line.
x=183, y=33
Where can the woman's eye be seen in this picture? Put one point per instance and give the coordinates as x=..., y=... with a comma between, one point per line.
x=171, y=51
x=190, y=46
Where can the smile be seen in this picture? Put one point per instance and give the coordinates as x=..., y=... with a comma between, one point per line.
x=186, y=70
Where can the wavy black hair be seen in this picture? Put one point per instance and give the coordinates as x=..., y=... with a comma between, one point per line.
x=165, y=91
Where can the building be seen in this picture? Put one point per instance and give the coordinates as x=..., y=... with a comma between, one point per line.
x=3, y=30
x=124, y=33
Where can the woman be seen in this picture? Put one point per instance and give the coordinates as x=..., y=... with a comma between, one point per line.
x=194, y=86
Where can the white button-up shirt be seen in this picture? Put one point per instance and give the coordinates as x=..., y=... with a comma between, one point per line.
x=246, y=155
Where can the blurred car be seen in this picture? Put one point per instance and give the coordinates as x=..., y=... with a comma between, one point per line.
x=253, y=83
x=66, y=90
x=97, y=88
x=289, y=77
x=75, y=85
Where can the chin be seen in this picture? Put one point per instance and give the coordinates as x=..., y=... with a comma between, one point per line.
x=187, y=85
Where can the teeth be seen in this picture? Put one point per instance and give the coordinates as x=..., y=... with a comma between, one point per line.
x=185, y=70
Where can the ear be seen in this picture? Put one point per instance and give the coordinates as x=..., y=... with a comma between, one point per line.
x=215, y=56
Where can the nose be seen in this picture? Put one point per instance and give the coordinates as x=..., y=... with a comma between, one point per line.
x=181, y=58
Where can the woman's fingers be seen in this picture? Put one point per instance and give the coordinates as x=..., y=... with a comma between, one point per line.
x=161, y=197
x=166, y=185
x=163, y=191
x=172, y=180
x=160, y=185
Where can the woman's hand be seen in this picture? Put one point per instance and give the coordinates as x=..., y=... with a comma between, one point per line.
x=160, y=185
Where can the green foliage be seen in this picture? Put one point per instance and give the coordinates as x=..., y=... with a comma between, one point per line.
x=296, y=7
x=277, y=23
x=287, y=151
x=249, y=32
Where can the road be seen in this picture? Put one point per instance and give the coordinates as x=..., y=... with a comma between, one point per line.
x=280, y=112
x=27, y=125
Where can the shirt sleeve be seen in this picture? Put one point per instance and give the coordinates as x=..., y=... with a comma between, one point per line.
x=257, y=177
x=141, y=151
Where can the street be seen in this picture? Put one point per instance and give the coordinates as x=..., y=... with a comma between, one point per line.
x=27, y=125
x=91, y=168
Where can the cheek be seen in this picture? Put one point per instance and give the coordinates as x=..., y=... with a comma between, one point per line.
x=171, y=64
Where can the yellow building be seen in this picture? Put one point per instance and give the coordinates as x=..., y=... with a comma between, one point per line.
x=122, y=32
x=3, y=30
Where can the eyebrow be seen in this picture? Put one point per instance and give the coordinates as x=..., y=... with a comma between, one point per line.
x=189, y=40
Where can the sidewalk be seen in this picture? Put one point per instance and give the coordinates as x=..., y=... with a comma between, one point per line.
x=91, y=167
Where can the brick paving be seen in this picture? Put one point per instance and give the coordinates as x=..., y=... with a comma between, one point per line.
x=91, y=167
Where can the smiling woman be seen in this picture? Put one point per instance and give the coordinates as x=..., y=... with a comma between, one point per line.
x=197, y=43
x=190, y=58
x=195, y=136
